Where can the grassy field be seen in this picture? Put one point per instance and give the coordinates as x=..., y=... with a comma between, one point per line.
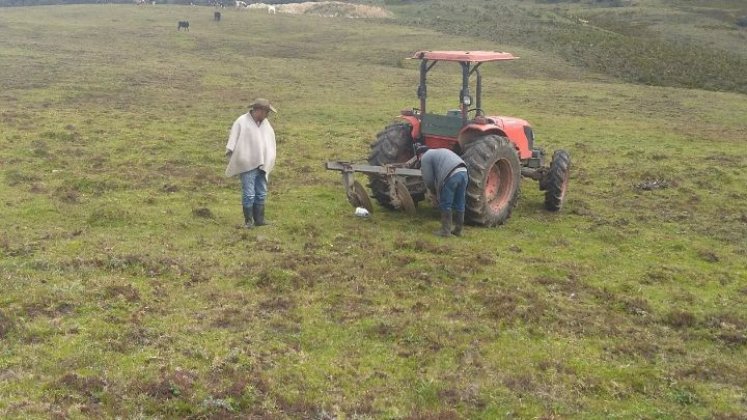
x=128, y=288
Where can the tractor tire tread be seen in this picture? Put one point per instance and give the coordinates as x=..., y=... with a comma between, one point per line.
x=480, y=156
x=556, y=180
x=393, y=145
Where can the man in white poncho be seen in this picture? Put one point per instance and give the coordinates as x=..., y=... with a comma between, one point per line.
x=251, y=153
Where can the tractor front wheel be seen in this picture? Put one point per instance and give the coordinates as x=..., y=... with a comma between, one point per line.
x=393, y=145
x=555, y=182
x=494, y=178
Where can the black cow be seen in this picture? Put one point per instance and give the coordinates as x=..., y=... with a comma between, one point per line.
x=216, y=16
x=183, y=24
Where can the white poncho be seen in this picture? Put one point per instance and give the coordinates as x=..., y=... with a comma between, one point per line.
x=252, y=146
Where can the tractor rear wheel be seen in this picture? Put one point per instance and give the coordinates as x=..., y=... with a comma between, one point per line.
x=393, y=145
x=555, y=182
x=494, y=178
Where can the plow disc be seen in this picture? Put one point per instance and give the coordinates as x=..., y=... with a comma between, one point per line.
x=403, y=196
x=358, y=197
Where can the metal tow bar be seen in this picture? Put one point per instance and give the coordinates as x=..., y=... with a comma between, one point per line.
x=357, y=195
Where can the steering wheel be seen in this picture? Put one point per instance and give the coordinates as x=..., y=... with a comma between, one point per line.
x=478, y=111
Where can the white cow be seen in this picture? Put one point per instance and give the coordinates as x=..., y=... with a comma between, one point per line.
x=271, y=10
x=240, y=4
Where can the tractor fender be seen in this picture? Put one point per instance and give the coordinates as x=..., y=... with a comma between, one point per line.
x=415, y=122
x=475, y=130
x=518, y=131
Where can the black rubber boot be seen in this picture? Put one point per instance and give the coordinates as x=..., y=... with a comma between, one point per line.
x=459, y=223
x=248, y=218
x=259, y=215
x=445, y=230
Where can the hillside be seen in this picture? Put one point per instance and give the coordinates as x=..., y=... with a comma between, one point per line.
x=691, y=44
x=130, y=290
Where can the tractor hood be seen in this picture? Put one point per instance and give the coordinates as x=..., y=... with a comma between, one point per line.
x=518, y=131
x=504, y=122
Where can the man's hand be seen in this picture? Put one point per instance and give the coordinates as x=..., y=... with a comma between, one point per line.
x=431, y=197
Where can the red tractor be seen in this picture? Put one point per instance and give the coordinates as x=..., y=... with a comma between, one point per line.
x=498, y=150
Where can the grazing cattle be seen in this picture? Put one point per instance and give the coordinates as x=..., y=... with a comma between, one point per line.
x=271, y=10
x=182, y=24
x=240, y=4
x=216, y=16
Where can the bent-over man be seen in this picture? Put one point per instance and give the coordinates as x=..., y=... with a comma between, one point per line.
x=445, y=175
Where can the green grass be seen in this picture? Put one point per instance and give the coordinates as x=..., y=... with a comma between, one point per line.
x=129, y=290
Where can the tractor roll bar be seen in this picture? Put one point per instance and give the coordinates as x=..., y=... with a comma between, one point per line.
x=470, y=62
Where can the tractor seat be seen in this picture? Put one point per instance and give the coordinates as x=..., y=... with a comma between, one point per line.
x=441, y=125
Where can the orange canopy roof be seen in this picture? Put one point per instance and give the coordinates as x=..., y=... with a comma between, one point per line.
x=471, y=56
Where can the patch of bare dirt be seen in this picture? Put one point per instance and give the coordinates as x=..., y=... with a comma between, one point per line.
x=351, y=308
x=568, y=286
x=266, y=244
x=301, y=408
x=171, y=385
x=276, y=304
x=634, y=349
x=145, y=264
x=680, y=319
x=422, y=245
x=449, y=414
x=136, y=337
x=328, y=9
x=6, y=325
x=520, y=383
x=38, y=188
x=526, y=306
x=728, y=328
x=68, y=195
x=233, y=319
x=203, y=212
x=469, y=395
x=125, y=292
x=714, y=371
x=89, y=386
x=169, y=188
x=636, y=306
x=708, y=256
x=48, y=309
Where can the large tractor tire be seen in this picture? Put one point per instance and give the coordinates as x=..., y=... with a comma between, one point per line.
x=393, y=145
x=555, y=182
x=494, y=179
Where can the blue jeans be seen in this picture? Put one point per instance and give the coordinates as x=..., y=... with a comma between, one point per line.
x=453, y=193
x=253, y=187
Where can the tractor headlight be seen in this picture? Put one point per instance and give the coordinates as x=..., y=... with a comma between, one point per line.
x=467, y=100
